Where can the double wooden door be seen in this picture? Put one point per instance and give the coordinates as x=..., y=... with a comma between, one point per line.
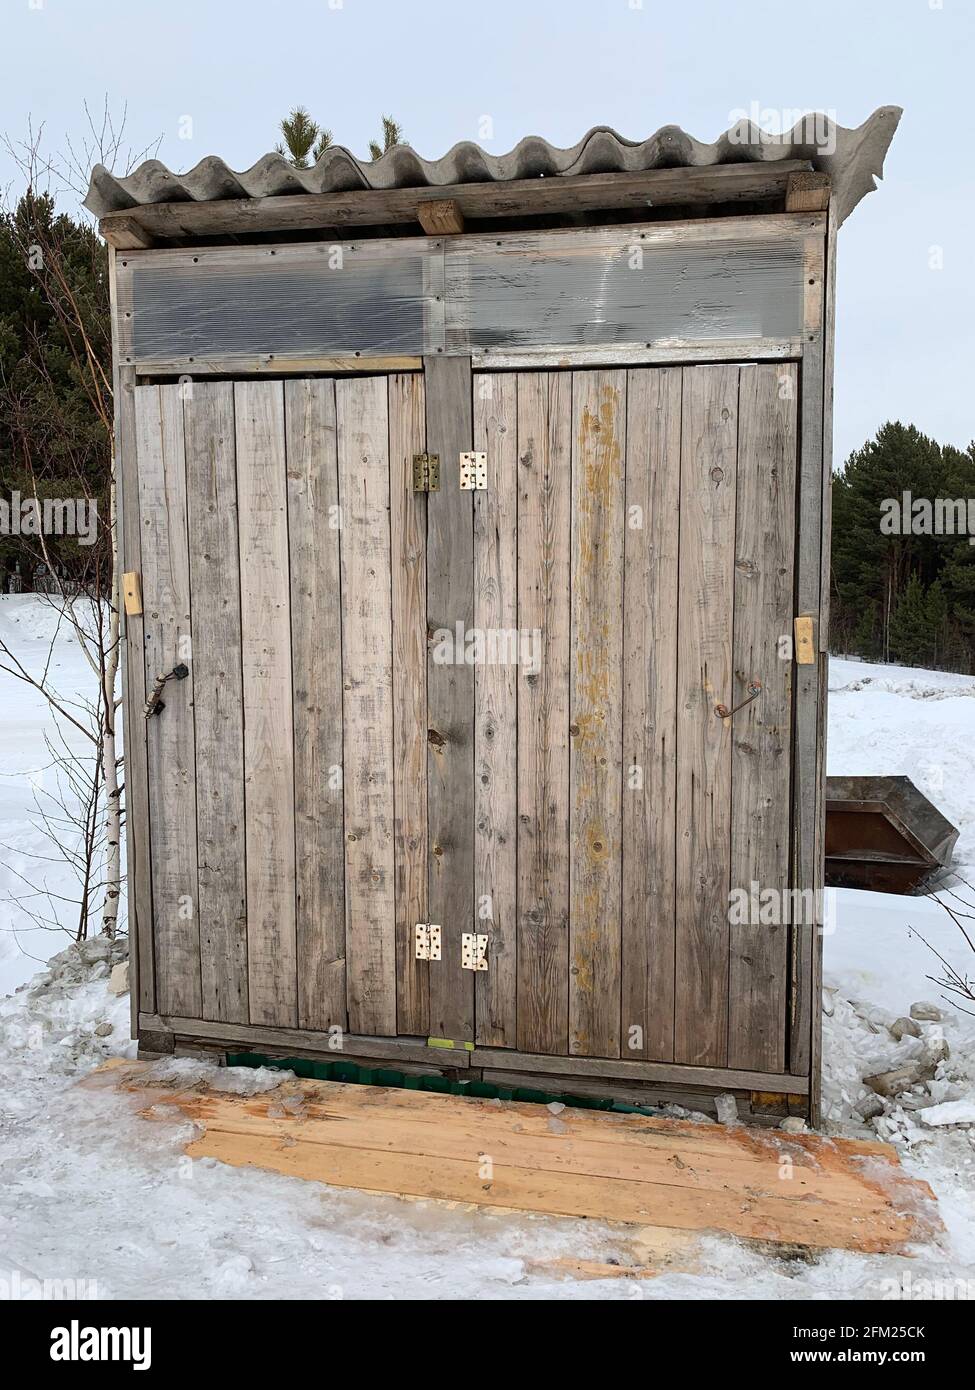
x=491, y=710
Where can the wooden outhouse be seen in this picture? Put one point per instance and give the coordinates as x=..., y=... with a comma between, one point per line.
x=476, y=513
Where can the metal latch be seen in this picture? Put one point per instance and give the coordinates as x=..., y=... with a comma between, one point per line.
x=473, y=951
x=473, y=473
x=426, y=941
x=426, y=472
x=155, y=704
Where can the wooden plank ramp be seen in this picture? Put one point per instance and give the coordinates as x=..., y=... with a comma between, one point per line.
x=803, y=1190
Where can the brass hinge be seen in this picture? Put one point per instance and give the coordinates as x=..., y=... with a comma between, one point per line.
x=473, y=951
x=426, y=472
x=473, y=472
x=426, y=941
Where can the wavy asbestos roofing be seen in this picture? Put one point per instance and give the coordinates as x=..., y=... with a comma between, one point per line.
x=852, y=157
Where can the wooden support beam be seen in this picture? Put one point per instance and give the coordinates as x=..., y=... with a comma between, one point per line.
x=664, y=1072
x=719, y=183
x=125, y=233
x=807, y=192
x=440, y=217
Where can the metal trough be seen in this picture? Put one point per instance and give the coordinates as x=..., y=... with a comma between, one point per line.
x=883, y=834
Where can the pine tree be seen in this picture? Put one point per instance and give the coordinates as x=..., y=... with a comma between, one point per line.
x=392, y=135
x=868, y=565
x=911, y=637
x=302, y=137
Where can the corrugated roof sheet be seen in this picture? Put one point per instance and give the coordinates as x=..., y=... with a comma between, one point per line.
x=852, y=157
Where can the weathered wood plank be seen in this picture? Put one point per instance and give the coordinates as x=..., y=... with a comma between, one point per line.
x=544, y=528
x=440, y=216
x=142, y=965
x=705, y=679
x=596, y=712
x=316, y=657
x=171, y=754
x=303, y=1042
x=262, y=501
x=675, y=350
x=829, y=350
x=807, y=192
x=211, y=484
x=722, y=183
x=275, y=364
x=408, y=540
x=496, y=698
x=761, y=733
x=450, y=696
x=653, y=406
x=808, y=728
x=619, y=1167
x=667, y=1072
x=362, y=414
x=125, y=233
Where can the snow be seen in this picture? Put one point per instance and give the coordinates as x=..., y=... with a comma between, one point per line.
x=155, y=1224
x=27, y=625
x=951, y=1112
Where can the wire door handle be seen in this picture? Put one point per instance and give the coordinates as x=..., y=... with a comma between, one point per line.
x=754, y=690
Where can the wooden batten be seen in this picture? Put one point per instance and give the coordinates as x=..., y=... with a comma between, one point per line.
x=440, y=217
x=807, y=192
x=751, y=182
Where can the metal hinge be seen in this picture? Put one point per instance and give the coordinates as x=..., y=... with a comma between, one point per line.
x=473, y=472
x=473, y=951
x=426, y=472
x=426, y=941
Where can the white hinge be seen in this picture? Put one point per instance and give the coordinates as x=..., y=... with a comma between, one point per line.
x=426, y=941
x=473, y=472
x=473, y=951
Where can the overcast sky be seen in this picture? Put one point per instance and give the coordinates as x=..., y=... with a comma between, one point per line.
x=555, y=68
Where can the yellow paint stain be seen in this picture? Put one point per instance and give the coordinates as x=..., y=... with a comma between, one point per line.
x=583, y=974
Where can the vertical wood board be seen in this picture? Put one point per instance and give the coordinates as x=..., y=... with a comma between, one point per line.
x=650, y=711
x=211, y=484
x=496, y=702
x=450, y=697
x=170, y=736
x=761, y=733
x=142, y=965
x=269, y=780
x=408, y=541
x=596, y=712
x=362, y=415
x=705, y=679
x=314, y=533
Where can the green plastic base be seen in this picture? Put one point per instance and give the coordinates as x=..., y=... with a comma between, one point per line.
x=355, y=1075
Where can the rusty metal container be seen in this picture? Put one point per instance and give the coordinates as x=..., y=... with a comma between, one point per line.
x=884, y=834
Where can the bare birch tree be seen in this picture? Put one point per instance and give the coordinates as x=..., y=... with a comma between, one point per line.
x=90, y=600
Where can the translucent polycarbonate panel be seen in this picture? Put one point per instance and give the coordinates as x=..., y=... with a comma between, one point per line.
x=597, y=287
x=575, y=289
x=315, y=301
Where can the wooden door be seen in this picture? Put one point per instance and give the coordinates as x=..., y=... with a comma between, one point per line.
x=638, y=527
x=284, y=564
x=322, y=781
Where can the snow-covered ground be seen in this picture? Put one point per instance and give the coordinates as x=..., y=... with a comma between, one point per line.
x=90, y=1192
